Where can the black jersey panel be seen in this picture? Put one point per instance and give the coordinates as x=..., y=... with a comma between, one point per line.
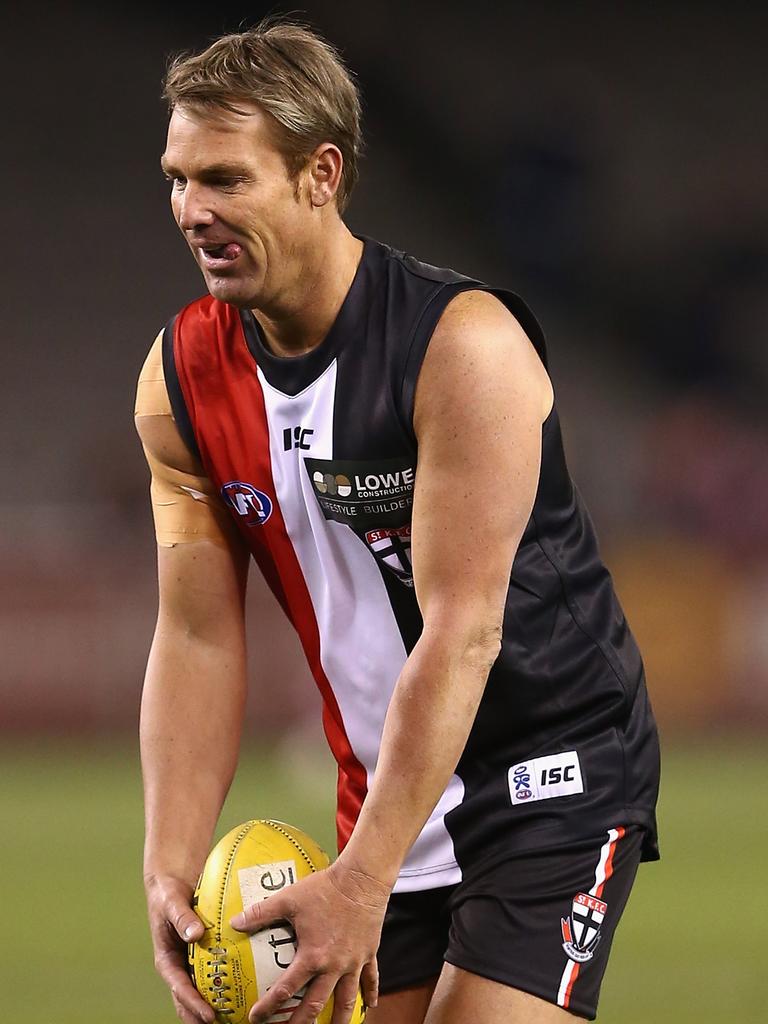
x=429, y=318
x=175, y=395
x=368, y=443
x=569, y=675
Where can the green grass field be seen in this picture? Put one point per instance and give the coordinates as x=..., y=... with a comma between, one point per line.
x=76, y=950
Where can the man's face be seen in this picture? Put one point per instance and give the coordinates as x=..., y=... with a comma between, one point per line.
x=236, y=205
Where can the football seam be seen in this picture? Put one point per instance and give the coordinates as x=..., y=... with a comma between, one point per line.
x=225, y=874
x=276, y=826
x=247, y=827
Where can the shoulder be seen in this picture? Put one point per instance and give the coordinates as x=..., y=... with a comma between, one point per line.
x=153, y=415
x=476, y=343
x=151, y=392
x=475, y=310
x=419, y=271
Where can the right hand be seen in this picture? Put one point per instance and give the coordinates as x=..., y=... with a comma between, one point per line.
x=173, y=923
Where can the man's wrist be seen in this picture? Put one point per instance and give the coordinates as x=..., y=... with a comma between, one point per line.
x=367, y=861
x=359, y=885
x=180, y=867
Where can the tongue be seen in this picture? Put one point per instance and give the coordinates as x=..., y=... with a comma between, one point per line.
x=230, y=251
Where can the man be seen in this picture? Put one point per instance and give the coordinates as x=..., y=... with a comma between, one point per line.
x=381, y=436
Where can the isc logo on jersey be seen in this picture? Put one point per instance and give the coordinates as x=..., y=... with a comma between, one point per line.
x=542, y=778
x=254, y=506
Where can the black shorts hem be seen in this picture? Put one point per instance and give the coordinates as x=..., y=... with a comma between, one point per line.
x=550, y=839
x=522, y=985
x=412, y=981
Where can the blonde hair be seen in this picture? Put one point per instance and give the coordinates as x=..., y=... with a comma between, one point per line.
x=294, y=75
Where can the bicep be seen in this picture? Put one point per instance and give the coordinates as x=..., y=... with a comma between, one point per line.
x=202, y=592
x=202, y=561
x=185, y=504
x=481, y=397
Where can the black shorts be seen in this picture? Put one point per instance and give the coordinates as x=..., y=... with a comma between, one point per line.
x=539, y=921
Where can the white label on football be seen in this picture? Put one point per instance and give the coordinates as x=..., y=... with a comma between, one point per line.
x=273, y=948
x=541, y=778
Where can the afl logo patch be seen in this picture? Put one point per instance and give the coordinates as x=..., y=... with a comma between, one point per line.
x=253, y=505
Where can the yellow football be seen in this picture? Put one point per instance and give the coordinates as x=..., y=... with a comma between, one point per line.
x=232, y=970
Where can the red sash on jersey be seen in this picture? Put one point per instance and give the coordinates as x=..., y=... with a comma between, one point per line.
x=225, y=403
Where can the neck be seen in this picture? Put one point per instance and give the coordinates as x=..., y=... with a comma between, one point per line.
x=304, y=319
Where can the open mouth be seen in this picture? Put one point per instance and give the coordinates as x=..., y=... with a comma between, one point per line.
x=220, y=255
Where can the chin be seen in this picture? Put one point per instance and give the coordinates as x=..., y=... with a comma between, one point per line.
x=231, y=290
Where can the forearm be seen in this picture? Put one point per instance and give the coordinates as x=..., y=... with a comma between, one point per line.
x=191, y=718
x=427, y=725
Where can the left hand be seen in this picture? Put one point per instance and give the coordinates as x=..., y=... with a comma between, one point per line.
x=337, y=915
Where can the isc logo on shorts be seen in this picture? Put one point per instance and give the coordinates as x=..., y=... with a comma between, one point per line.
x=541, y=778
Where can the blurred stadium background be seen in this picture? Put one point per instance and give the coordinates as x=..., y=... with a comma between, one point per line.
x=608, y=162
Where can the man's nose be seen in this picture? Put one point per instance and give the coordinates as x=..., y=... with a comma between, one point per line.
x=194, y=211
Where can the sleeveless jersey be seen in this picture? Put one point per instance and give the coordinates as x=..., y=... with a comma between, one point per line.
x=315, y=456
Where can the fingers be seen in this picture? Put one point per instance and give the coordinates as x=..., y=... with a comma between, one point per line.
x=312, y=1002
x=190, y=1005
x=317, y=994
x=344, y=999
x=184, y=1015
x=283, y=991
x=369, y=983
x=170, y=965
x=173, y=924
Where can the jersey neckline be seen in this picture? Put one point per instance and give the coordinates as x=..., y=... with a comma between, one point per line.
x=292, y=374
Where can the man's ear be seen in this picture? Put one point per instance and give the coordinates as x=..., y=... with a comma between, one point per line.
x=324, y=173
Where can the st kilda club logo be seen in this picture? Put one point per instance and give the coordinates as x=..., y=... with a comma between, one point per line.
x=391, y=547
x=251, y=505
x=581, y=929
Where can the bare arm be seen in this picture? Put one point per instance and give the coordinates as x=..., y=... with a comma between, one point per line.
x=481, y=399
x=192, y=704
x=194, y=690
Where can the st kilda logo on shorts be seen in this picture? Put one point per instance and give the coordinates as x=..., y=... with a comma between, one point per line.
x=581, y=929
x=250, y=504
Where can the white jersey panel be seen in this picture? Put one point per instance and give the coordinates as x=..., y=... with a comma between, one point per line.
x=433, y=854
x=361, y=649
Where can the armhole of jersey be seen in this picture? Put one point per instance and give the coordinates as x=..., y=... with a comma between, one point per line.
x=175, y=394
x=425, y=327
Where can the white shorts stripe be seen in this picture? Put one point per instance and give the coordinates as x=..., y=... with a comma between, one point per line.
x=605, y=852
x=571, y=969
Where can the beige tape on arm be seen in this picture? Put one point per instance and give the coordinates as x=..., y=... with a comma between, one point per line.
x=151, y=392
x=185, y=504
x=185, y=507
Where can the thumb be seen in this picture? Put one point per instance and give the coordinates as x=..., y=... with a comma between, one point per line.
x=264, y=913
x=186, y=922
